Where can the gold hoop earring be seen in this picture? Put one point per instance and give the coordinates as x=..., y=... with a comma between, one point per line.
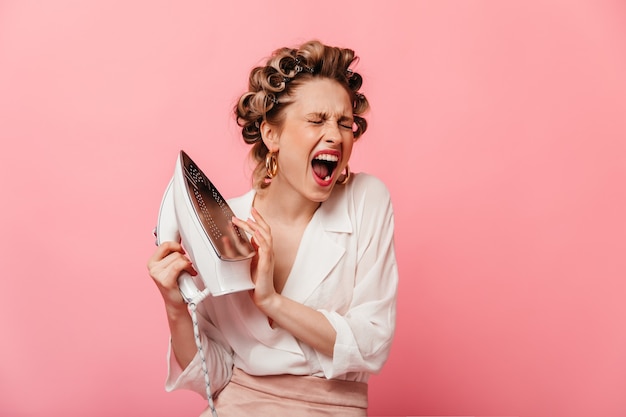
x=271, y=164
x=346, y=176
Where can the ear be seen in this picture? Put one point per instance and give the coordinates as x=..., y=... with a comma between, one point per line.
x=270, y=136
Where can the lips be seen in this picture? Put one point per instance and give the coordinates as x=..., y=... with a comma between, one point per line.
x=324, y=164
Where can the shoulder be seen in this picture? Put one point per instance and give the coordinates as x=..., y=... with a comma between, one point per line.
x=364, y=196
x=369, y=202
x=363, y=185
x=241, y=205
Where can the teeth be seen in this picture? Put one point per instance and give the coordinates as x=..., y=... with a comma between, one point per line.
x=327, y=157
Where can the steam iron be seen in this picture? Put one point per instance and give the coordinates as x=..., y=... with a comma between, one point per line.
x=194, y=213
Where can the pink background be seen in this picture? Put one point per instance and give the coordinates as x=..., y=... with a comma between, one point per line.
x=499, y=127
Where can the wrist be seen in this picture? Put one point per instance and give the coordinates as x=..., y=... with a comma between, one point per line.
x=271, y=305
x=176, y=311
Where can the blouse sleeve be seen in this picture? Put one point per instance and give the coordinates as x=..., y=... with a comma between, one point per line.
x=218, y=356
x=365, y=331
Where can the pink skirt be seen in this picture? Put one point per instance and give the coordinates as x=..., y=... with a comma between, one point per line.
x=290, y=395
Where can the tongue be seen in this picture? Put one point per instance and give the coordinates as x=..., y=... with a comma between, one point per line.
x=320, y=169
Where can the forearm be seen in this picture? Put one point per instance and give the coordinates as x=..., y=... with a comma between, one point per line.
x=304, y=323
x=182, y=336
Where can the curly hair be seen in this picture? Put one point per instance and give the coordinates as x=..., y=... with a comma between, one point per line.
x=271, y=87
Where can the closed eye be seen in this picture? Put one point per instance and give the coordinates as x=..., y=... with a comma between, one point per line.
x=346, y=123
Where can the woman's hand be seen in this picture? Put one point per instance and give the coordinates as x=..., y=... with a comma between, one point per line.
x=164, y=266
x=304, y=323
x=262, y=267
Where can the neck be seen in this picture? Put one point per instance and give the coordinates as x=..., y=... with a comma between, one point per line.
x=286, y=206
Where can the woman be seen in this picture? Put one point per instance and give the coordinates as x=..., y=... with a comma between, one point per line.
x=321, y=317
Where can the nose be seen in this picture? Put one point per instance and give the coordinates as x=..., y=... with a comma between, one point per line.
x=332, y=133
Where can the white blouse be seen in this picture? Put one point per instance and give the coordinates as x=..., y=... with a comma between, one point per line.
x=345, y=268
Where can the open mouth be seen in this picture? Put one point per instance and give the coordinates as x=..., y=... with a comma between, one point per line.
x=324, y=165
